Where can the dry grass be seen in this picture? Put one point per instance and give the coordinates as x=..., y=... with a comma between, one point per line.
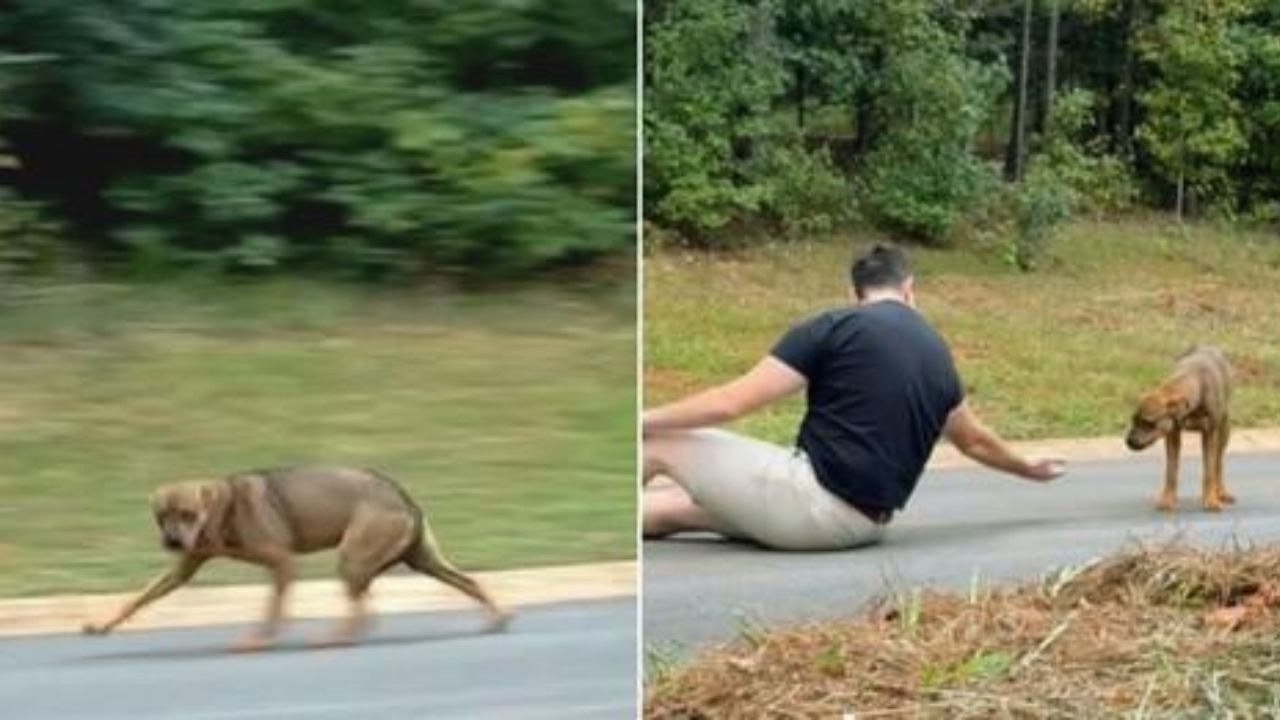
x=1164, y=632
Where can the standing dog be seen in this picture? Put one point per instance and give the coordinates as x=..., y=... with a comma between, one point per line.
x=266, y=517
x=1195, y=397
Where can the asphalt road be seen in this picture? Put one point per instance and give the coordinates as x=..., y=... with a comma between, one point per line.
x=573, y=660
x=959, y=524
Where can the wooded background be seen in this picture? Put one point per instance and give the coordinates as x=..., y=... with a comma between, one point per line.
x=926, y=117
x=372, y=139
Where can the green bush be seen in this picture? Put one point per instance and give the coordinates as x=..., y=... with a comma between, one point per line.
x=1041, y=202
x=374, y=139
x=712, y=73
x=30, y=243
x=1096, y=181
x=922, y=176
x=803, y=192
x=1067, y=174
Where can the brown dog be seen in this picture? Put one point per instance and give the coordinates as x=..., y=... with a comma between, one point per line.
x=1195, y=397
x=266, y=517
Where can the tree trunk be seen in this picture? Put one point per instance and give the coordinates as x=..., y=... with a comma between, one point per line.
x=1015, y=150
x=865, y=121
x=1051, y=61
x=1122, y=141
x=800, y=96
x=1181, y=194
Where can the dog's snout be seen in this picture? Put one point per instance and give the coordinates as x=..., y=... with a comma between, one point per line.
x=1137, y=441
x=170, y=542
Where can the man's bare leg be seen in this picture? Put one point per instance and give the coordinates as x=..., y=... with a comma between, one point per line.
x=670, y=509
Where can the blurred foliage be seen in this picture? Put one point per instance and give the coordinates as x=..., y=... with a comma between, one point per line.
x=912, y=105
x=393, y=137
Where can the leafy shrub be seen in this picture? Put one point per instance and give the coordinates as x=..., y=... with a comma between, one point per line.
x=922, y=176
x=1041, y=203
x=712, y=73
x=802, y=191
x=1099, y=182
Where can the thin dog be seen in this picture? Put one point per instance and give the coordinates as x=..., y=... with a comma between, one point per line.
x=1195, y=397
x=267, y=517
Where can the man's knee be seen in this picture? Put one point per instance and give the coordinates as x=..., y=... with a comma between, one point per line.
x=657, y=457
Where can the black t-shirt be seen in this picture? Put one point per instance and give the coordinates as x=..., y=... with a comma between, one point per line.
x=881, y=385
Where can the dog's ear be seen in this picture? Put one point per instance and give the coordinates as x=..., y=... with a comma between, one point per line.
x=1178, y=406
x=160, y=498
x=215, y=499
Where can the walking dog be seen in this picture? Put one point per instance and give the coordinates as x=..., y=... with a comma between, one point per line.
x=267, y=517
x=1195, y=397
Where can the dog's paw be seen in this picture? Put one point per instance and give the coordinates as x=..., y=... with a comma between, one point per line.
x=1226, y=498
x=333, y=640
x=499, y=621
x=1167, y=504
x=1214, y=505
x=253, y=642
x=91, y=628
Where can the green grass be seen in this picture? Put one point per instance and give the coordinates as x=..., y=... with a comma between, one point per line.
x=509, y=416
x=1061, y=352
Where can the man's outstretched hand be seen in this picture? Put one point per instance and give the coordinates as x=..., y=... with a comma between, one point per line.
x=1045, y=470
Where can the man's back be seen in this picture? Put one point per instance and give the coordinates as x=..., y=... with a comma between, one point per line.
x=881, y=384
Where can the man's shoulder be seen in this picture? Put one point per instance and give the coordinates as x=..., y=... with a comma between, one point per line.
x=831, y=316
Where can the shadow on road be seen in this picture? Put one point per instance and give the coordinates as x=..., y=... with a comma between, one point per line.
x=205, y=651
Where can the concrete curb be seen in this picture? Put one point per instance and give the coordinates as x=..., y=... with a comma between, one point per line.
x=196, y=606
x=1252, y=440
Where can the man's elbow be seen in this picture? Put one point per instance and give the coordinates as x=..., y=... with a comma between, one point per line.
x=968, y=444
x=728, y=408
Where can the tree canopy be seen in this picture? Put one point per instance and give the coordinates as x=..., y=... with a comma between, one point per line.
x=386, y=137
x=907, y=113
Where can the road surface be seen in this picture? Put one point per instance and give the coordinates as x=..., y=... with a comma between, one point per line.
x=574, y=661
x=959, y=524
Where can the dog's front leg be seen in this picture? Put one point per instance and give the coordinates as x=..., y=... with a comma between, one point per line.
x=282, y=573
x=156, y=589
x=1168, y=500
x=1210, y=495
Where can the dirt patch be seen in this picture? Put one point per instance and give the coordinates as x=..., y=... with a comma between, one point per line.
x=1175, y=631
x=662, y=382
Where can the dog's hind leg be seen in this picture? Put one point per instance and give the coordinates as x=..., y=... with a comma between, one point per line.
x=1220, y=452
x=426, y=558
x=1211, y=494
x=1168, y=500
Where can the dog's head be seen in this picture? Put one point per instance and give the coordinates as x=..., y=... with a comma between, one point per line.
x=1157, y=415
x=185, y=510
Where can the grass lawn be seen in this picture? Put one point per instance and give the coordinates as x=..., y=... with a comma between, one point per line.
x=509, y=416
x=1064, y=351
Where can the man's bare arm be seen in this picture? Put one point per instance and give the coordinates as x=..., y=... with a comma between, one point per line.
x=770, y=380
x=977, y=441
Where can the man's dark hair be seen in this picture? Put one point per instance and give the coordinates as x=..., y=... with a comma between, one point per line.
x=881, y=266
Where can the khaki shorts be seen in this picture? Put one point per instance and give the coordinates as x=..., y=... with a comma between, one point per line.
x=762, y=492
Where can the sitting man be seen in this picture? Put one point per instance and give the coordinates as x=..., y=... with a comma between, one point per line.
x=880, y=387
